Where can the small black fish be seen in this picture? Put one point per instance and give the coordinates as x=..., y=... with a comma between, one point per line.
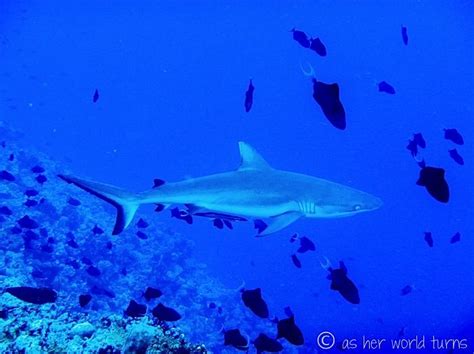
x=11, y=157
x=454, y=136
x=318, y=47
x=86, y=261
x=456, y=156
x=84, y=299
x=406, y=290
x=159, y=207
x=31, y=203
x=74, y=202
x=341, y=283
x=27, y=223
x=93, y=271
x=37, y=169
x=264, y=343
x=152, y=293
x=158, y=183
x=404, y=35
x=72, y=243
x=306, y=245
x=301, y=38
x=97, y=230
x=429, y=239
x=142, y=224
x=4, y=210
x=234, y=338
x=295, y=261
x=432, y=178
x=38, y=296
x=419, y=140
x=254, y=301
x=327, y=97
x=181, y=215
x=141, y=235
x=412, y=147
x=95, y=97
x=289, y=330
x=167, y=314
x=260, y=225
x=456, y=237
x=386, y=87
x=41, y=179
x=212, y=305
x=249, y=97
x=135, y=309
x=6, y=176
x=218, y=223
x=31, y=192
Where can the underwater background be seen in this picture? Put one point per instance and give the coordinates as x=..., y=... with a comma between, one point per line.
x=171, y=78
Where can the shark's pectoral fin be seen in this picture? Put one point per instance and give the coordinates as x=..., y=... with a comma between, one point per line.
x=279, y=222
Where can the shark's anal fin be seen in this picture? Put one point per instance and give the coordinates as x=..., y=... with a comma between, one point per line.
x=279, y=222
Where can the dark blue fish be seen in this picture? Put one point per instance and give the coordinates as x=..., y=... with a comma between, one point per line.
x=212, y=305
x=429, y=239
x=135, y=309
x=327, y=97
x=259, y=225
x=404, y=35
x=31, y=203
x=456, y=237
x=234, y=338
x=84, y=299
x=95, y=97
x=218, y=223
x=454, y=136
x=93, y=271
x=152, y=293
x=181, y=215
x=295, y=261
x=318, y=47
x=386, y=87
x=419, y=140
x=289, y=330
x=74, y=202
x=4, y=210
x=254, y=301
x=141, y=235
x=167, y=314
x=264, y=343
x=249, y=97
x=158, y=182
x=31, y=192
x=341, y=283
x=406, y=290
x=306, y=245
x=159, y=207
x=86, y=261
x=11, y=157
x=72, y=243
x=432, y=178
x=6, y=176
x=456, y=156
x=97, y=230
x=142, y=224
x=41, y=179
x=37, y=169
x=301, y=38
x=27, y=223
x=38, y=296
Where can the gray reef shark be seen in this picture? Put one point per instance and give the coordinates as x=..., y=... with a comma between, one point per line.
x=255, y=190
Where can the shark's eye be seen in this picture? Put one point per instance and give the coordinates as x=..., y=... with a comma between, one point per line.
x=357, y=207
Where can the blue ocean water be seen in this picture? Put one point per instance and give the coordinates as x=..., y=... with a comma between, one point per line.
x=172, y=77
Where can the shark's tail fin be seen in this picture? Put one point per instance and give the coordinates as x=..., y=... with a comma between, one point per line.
x=125, y=202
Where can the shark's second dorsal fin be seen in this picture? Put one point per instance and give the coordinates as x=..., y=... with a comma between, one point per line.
x=250, y=159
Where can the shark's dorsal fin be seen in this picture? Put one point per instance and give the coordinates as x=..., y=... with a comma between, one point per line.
x=250, y=159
